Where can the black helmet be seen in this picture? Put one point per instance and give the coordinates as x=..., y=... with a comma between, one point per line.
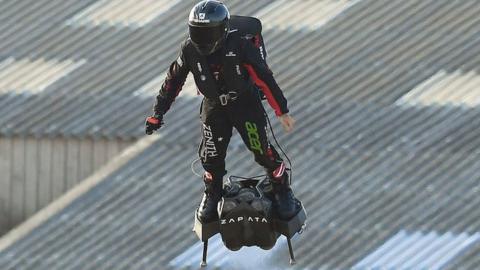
x=208, y=26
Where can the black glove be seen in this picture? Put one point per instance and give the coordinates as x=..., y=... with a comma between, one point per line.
x=153, y=123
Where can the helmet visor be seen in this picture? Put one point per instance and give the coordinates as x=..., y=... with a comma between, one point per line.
x=206, y=36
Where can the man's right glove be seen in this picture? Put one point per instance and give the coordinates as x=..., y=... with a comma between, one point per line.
x=153, y=123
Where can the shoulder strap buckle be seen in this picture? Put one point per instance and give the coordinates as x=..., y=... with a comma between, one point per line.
x=224, y=99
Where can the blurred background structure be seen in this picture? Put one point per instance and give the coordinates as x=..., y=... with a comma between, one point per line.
x=385, y=154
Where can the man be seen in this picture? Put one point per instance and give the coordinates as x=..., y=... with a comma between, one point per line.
x=228, y=70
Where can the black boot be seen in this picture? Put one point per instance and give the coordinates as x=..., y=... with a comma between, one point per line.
x=207, y=210
x=283, y=199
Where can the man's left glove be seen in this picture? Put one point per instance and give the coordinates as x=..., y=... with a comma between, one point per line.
x=153, y=123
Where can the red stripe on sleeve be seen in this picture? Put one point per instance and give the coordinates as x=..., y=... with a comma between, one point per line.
x=265, y=89
x=169, y=88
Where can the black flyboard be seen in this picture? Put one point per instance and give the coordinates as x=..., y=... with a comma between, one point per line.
x=246, y=218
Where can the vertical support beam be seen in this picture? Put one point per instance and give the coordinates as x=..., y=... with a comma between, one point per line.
x=99, y=153
x=31, y=176
x=73, y=162
x=5, y=182
x=58, y=167
x=86, y=158
x=17, y=188
x=44, y=156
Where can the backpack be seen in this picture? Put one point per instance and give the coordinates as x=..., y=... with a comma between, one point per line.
x=250, y=28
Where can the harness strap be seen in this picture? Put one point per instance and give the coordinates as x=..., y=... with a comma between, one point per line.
x=225, y=98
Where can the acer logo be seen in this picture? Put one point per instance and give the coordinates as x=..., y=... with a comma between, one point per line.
x=254, y=137
x=240, y=219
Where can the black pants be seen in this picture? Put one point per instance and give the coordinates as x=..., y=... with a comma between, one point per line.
x=246, y=114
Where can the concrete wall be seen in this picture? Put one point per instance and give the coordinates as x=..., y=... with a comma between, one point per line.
x=34, y=172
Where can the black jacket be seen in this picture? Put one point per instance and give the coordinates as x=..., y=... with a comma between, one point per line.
x=252, y=71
